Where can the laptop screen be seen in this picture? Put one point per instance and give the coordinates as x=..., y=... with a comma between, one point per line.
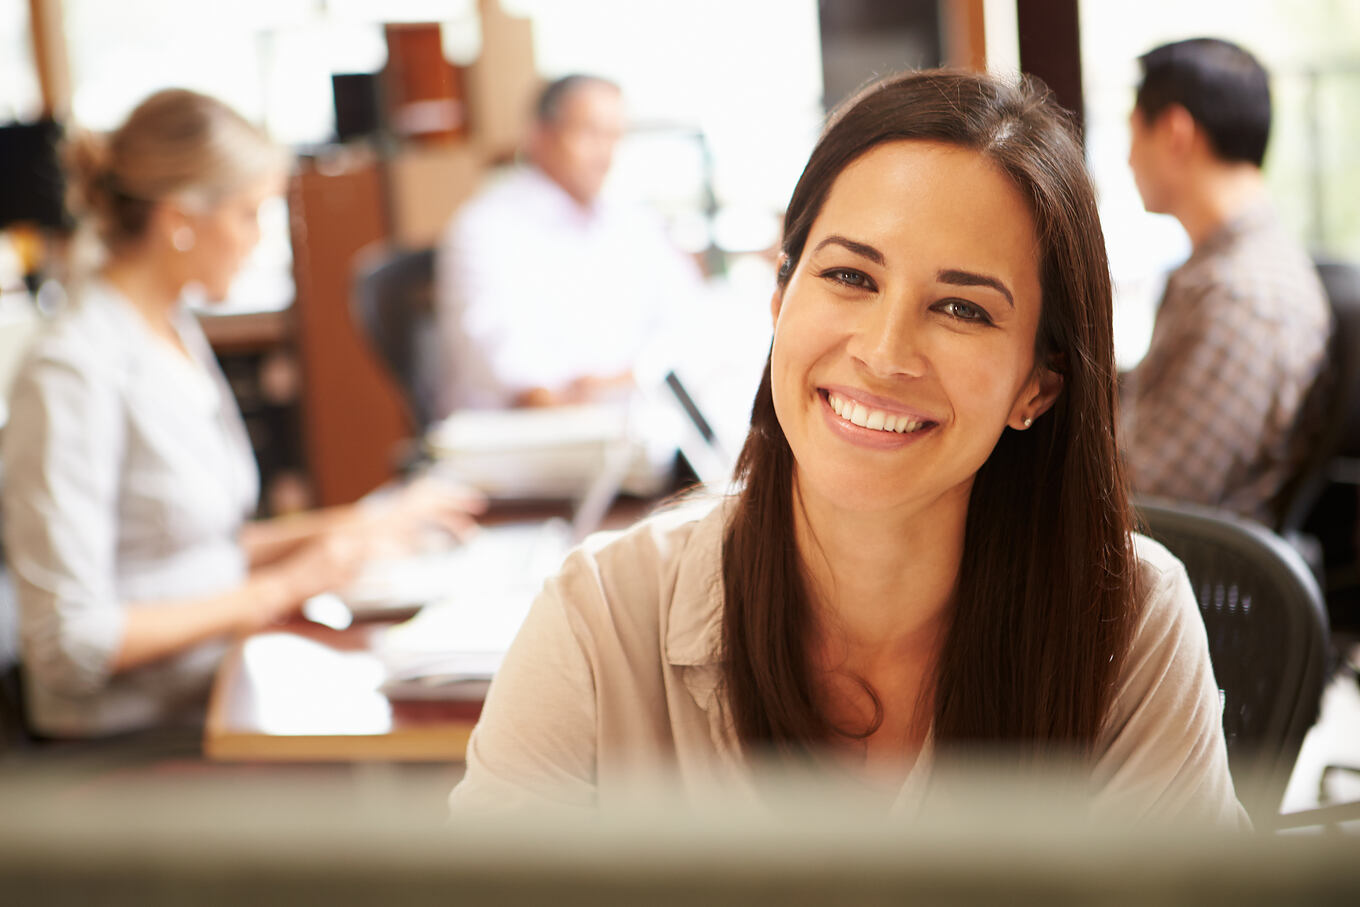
x=698, y=441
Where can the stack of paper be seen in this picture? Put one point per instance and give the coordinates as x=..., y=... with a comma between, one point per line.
x=552, y=452
x=453, y=646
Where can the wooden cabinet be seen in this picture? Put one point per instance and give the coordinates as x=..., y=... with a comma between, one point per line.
x=352, y=416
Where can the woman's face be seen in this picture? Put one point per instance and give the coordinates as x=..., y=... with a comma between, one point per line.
x=226, y=234
x=904, y=340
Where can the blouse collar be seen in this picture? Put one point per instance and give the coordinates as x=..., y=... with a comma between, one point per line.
x=694, y=630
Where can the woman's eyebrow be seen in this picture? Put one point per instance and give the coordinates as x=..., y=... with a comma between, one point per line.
x=971, y=279
x=862, y=249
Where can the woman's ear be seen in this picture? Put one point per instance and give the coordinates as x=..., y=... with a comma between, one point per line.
x=169, y=223
x=1038, y=396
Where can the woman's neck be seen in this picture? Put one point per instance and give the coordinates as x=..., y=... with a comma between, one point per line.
x=881, y=583
x=150, y=290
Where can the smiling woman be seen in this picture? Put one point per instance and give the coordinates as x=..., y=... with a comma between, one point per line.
x=931, y=547
x=979, y=299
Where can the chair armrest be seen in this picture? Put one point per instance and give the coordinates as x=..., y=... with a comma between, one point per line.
x=1344, y=470
x=1318, y=816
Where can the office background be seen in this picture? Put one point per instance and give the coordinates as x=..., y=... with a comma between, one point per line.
x=726, y=100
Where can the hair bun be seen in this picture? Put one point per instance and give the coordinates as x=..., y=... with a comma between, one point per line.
x=89, y=169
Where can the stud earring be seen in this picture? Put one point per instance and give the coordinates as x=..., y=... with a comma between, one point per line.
x=1028, y=422
x=182, y=239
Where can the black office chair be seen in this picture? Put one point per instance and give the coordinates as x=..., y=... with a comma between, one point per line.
x=13, y=727
x=1331, y=414
x=1334, y=512
x=14, y=733
x=393, y=304
x=1342, y=468
x=1341, y=281
x=1268, y=631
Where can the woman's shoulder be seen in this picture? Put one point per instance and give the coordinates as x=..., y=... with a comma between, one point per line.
x=663, y=535
x=1164, y=595
x=1169, y=637
x=1154, y=561
x=64, y=357
x=661, y=575
x=69, y=389
x=1161, y=750
x=85, y=336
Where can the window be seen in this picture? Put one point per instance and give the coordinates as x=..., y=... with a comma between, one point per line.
x=739, y=118
x=20, y=95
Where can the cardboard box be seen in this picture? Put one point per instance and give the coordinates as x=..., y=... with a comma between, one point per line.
x=501, y=83
x=426, y=184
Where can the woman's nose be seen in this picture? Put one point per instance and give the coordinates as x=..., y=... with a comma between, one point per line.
x=888, y=340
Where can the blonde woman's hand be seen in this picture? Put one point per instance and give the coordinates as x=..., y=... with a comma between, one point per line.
x=598, y=388
x=326, y=564
x=397, y=524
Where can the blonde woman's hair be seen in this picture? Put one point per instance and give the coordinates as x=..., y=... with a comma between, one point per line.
x=177, y=144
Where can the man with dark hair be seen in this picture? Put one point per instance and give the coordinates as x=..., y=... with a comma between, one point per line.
x=1211, y=413
x=547, y=291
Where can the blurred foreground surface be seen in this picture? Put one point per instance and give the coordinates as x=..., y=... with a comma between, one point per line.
x=381, y=835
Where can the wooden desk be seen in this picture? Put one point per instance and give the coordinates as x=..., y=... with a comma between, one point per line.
x=247, y=331
x=309, y=693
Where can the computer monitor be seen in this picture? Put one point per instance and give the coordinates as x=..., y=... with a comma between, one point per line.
x=34, y=184
x=358, y=104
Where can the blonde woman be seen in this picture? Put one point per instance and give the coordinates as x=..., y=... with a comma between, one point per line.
x=128, y=472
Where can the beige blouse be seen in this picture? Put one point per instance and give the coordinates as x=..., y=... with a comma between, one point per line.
x=616, y=671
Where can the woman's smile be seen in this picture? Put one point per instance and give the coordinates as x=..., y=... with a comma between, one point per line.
x=862, y=420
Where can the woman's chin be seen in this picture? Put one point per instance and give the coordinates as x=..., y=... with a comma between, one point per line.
x=199, y=293
x=214, y=296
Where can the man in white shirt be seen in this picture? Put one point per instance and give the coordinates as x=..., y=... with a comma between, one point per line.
x=547, y=293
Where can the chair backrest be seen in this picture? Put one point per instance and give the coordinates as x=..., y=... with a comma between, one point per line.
x=14, y=734
x=1341, y=280
x=13, y=726
x=1332, y=413
x=1268, y=639
x=393, y=304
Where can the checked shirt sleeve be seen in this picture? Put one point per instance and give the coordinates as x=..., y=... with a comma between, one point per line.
x=1200, y=401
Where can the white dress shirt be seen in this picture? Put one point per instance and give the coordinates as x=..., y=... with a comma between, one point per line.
x=617, y=671
x=535, y=290
x=127, y=477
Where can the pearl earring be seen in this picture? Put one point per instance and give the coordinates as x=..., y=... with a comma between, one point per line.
x=182, y=239
x=1028, y=422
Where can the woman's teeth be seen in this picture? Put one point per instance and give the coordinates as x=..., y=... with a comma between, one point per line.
x=875, y=419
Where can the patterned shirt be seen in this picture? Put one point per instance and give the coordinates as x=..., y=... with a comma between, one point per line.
x=1241, y=335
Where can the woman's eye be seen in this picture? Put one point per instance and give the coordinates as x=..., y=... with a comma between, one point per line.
x=849, y=277
x=964, y=310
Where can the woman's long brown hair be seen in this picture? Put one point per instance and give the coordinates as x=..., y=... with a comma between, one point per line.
x=1044, y=608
